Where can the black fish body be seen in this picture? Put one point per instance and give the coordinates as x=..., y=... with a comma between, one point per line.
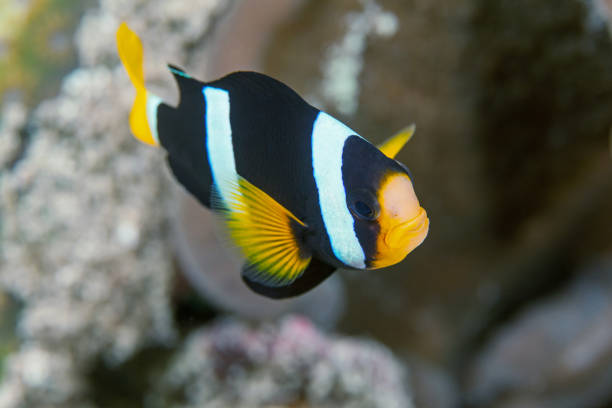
x=271, y=126
x=302, y=194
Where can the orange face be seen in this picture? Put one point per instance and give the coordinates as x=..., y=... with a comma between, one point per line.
x=403, y=222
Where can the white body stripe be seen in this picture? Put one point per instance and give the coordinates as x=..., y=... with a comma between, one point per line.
x=328, y=137
x=153, y=102
x=219, y=141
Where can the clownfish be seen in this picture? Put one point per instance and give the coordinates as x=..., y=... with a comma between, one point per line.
x=301, y=193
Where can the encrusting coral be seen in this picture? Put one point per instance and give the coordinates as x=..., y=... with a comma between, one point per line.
x=231, y=364
x=83, y=218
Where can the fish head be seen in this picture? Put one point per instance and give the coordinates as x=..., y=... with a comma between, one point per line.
x=388, y=218
x=402, y=222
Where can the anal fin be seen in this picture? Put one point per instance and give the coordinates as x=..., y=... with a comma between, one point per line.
x=316, y=272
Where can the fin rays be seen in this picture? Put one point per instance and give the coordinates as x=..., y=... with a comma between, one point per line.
x=264, y=230
x=130, y=52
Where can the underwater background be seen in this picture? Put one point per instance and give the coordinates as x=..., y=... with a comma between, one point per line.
x=116, y=289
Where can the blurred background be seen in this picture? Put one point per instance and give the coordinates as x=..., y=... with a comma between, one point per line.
x=115, y=290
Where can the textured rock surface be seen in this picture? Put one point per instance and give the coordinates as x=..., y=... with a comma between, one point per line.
x=13, y=121
x=82, y=252
x=289, y=364
x=83, y=216
x=558, y=353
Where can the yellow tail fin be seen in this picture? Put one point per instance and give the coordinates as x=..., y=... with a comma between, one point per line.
x=143, y=117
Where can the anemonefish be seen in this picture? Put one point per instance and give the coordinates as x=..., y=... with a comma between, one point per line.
x=300, y=192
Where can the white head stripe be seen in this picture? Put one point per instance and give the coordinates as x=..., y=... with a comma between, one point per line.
x=219, y=141
x=153, y=102
x=328, y=137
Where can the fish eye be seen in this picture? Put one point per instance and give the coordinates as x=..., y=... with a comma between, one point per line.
x=364, y=205
x=363, y=209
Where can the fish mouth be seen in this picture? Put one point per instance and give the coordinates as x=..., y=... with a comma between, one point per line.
x=401, y=239
x=409, y=234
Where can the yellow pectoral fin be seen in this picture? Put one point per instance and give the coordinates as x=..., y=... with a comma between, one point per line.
x=395, y=143
x=267, y=234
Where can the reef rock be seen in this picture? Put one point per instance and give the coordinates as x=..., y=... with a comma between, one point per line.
x=290, y=364
x=557, y=353
x=84, y=247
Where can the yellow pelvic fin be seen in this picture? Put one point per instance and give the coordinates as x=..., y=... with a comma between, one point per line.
x=394, y=144
x=131, y=55
x=265, y=231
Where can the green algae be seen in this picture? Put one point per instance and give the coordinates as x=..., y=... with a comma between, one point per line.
x=38, y=46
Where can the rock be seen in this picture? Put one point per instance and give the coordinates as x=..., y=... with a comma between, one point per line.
x=557, y=352
x=84, y=214
x=510, y=156
x=12, y=123
x=432, y=386
x=283, y=365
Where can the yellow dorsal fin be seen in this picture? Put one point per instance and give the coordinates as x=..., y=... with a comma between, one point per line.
x=267, y=234
x=131, y=55
x=394, y=144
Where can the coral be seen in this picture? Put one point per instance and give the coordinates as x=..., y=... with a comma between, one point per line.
x=83, y=243
x=344, y=61
x=34, y=47
x=289, y=364
x=12, y=120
